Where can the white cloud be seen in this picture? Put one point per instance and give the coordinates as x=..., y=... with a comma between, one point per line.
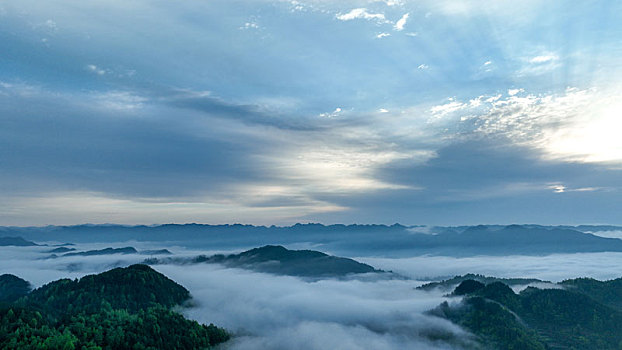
x=587, y=189
x=543, y=59
x=558, y=188
x=93, y=68
x=453, y=106
x=332, y=114
x=290, y=313
x=476, y=102
x=423, y=66
x=540, y=64
x=399, y=25
x=554, y=268
x=494, y=98
x=51, y=24
x=382, y=35
x=343, y=170
x=575, y=126
x=278, y=312
x=383, y=110
x=393, y=2
x=119, y=100
x=297, y=6
x=250, y=25
x=360, y=13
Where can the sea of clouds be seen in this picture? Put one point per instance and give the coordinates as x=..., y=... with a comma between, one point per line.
x=283, y=312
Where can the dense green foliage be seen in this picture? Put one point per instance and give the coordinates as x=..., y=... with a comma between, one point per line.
x=496, y=327
x=468, y=287
x=124, y=308
x=607, y=292
x=12, y=288
x=582, y=316
x=133, y=288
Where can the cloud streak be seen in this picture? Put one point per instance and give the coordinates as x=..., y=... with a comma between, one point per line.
x=361, y=13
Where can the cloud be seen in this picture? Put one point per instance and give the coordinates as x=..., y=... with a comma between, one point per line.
x=393, y=2
x=543, y=59
x=542, y=63
x=399, y=25
x=382, y=35
x=472, y=180
x=557, y=188
x=487, y=67
x=278, y=312
x=281, y=312
x=250, y=25
x=608, y=234
x=554, y=268
x=114, y=115
x=447, y=108
x=119, y=100
x=332, y=114
x=575, y=126
x=360, y=13
x=512, y=92
x=560, y=188
x=224, y=162
x=93, y=68
x=285, y=312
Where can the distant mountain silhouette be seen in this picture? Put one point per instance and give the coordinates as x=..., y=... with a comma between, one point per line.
x=156, y=252
x=282, y=261
x=393, y=240
x=61, y=250
x=15, y=241
x=106, y=251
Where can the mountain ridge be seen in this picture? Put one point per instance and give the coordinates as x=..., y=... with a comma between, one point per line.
x=396, y=240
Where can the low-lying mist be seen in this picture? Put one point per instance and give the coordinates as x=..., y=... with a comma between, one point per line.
x=282, y=312
x=554, y=267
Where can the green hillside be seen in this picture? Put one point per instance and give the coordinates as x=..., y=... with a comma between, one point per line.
x=124, y=308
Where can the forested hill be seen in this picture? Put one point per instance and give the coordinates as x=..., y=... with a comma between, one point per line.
x=577, y=314
x=124, y=308
x=281, y=261
x=12, y=288
x=449, y=284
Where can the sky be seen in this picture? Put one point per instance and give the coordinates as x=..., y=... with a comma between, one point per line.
x=276, y=112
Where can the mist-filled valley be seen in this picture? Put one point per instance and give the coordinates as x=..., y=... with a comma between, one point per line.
x=303, y=295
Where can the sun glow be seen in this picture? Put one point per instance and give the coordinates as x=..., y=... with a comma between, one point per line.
x=595, y=139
